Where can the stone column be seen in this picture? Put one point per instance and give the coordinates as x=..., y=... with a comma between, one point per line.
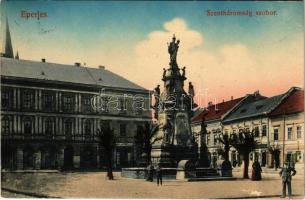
x=19, y=159
x=15, y=98
x=37, y=160
x=18, y=99
x=60, y=158
x=36, y=102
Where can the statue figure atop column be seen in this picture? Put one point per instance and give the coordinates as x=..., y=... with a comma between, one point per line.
x=173, y=50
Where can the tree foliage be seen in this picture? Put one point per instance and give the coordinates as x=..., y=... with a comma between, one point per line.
x=244, y=142
x=107, y=140
x=145, y=137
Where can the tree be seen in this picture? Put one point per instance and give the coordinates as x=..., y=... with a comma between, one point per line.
x=225, y=140
x=145, y=138
x=107, y=140
x=244, y=142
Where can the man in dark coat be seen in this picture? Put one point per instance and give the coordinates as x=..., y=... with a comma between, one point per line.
x=286, y=173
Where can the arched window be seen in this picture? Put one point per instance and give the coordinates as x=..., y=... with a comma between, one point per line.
x=49, y=126
x=6, y=125
x=88, y=127
x=68, y=124
x=28, y=99
x=6, y=98
x=27, y=125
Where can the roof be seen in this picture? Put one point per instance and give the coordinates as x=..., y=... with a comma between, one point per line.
x=214, y=112
x=64, y=73
x=292, y=104
x=254, y=108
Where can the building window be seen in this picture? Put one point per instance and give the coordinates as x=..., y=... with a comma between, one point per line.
x=276, y=134
x=68, y=127
x=27, y=125
x=208, y=139
x=6, y=98
x=289, y=133
x=256, y=131
x=299, y=132
x=122, y=129
x=5, y=125
x=214, y=139
x=88, y=127
x=86, y=105
x=49, y=126
x=264, y=130
x=28, y=99
x=68, y=103
x=48, y=101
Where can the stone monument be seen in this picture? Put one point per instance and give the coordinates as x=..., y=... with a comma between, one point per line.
x=173, y=111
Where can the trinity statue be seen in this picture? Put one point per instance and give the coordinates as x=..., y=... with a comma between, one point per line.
x=173, y=111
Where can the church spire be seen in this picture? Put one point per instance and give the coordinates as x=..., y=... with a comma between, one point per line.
x=7, y=47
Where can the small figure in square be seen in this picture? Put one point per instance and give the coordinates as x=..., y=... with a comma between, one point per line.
x=159, y=175
x=256, y=171
x=286, y=173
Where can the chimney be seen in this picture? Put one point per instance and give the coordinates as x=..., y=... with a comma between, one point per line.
x=77, y=64
x=256, y=93
x=232, y=98
x=101, y=67
x=43, y=60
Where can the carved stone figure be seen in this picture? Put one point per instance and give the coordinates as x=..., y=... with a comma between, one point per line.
x=168, y=129
x=164, y=73
x=173, y=50
x=157, y=100
x=191, y=90
x=183, y=71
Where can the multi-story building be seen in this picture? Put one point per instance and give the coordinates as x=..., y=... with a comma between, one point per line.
x=212, y=119
x=267, y=117
x=287, y=129
x=253, y=115
x=50, y=115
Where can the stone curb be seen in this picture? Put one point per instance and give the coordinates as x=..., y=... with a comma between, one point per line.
x=33, y=194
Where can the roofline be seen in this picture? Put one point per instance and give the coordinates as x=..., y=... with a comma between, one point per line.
x=285, y=95
x=290, y=113
x=235, y=107
x=75, y=84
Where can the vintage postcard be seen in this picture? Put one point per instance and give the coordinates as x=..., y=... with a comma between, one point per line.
x=152, y=99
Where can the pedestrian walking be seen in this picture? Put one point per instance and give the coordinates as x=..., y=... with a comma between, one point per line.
x=159, y=175
x=286, y=173
x=256, y=171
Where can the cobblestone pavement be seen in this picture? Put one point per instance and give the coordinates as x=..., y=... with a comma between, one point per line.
x=95, y=185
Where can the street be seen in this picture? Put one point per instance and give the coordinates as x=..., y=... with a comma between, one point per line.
x=95, y=185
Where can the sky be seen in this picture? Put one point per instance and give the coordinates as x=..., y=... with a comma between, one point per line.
x=224, y=56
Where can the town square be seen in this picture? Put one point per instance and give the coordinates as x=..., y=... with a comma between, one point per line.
x=110, y=105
